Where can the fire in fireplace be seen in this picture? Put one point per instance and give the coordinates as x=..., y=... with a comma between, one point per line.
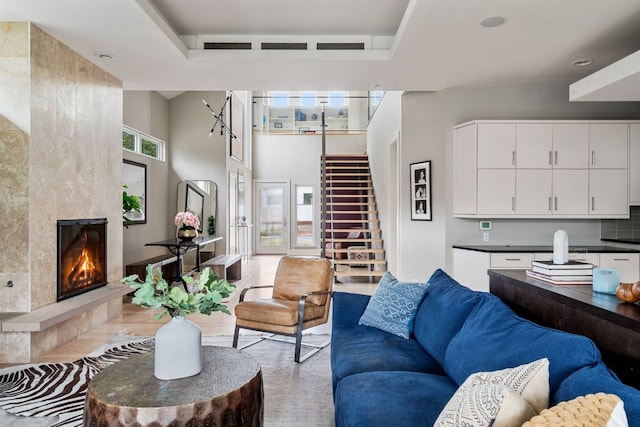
x=82, y=256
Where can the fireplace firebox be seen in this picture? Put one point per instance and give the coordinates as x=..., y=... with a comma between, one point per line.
x=82, y=256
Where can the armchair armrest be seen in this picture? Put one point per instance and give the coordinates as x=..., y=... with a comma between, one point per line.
x=245, y=290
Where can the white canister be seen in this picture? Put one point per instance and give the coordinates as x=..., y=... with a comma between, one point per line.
x=605, y=281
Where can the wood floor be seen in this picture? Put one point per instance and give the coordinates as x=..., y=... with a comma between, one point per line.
x=260, y=270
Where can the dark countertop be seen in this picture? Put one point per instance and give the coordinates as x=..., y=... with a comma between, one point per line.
x=544, y=248
x=624, y=240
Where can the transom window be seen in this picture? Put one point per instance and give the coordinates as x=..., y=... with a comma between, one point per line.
x=138, y=142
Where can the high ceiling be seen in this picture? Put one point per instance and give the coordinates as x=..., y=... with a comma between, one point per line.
x=409, y=44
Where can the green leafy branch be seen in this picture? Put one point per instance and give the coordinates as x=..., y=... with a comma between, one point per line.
x=206, y=298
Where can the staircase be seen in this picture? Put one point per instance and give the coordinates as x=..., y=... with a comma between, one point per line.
x=353, y=238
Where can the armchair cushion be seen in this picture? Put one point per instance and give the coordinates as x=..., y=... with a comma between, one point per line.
x=393, y=306
x=277, y=312
x=299, y=275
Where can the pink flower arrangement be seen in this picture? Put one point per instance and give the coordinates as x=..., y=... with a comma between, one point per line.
x=187, y=219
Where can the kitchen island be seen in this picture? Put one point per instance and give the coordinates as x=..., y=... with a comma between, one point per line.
x=612, y=324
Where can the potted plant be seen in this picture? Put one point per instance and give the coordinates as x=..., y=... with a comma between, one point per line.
x=130, y=207
x=178, y=343
x=188, y=224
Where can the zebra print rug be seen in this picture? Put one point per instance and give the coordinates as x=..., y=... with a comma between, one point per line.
x=58, y=389
x=296, y=395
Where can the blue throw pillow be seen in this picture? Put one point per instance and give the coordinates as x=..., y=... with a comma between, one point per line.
x=393, y=306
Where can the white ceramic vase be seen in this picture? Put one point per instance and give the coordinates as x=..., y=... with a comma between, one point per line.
x=178, y=349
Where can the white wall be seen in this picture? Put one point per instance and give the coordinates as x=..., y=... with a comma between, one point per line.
x=148, y=112
x=296, y=158
x=382, y=134
x=426, y=121
x=194, y=155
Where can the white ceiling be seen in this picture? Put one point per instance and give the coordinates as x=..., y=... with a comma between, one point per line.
x=415, y=44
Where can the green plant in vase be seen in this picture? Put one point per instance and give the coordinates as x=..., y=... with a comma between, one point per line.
x=178, y=343
x=208, y=293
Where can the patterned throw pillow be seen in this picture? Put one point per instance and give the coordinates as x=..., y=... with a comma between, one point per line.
x=393, y=306
x=507, y=397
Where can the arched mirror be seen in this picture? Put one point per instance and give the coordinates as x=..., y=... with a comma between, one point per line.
x=200, y=197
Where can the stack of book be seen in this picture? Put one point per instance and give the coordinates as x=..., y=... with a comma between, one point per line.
x=570, y=273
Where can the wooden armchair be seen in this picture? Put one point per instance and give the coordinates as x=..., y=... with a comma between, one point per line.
x=301, y=299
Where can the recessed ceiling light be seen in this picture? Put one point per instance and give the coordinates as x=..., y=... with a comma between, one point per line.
x=104, y=56
x=582, y=62
x=493, y=21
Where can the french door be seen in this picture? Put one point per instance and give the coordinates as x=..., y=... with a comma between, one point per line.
x=272, y=211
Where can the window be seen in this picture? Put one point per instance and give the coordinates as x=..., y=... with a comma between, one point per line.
x=280, y=99
x=304, y=231
x=337, y=99
x=137, y=142
x=308, y=99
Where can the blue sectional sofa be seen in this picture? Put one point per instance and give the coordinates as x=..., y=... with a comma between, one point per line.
x=381, y=379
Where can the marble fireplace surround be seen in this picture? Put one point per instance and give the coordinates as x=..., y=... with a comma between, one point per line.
x=61, y=126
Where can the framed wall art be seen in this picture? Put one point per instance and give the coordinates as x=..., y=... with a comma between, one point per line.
x=134, y=180
x=421, y=191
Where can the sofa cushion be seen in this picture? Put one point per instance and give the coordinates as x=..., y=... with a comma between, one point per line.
x=356, y=349
x=444, y=309
x=501, y=398
x=393, y=306
x=494, y=337
x=383, y=399
x=597, y=378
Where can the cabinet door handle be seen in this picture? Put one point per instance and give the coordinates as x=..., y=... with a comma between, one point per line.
x=593, y=157
x=621, y=259
x=513, y=203
x=512, y=259
x=556, y=157
x=549, y=203
x=513, y=157
x=593, y=203
x=555, y=203
x=550, y=158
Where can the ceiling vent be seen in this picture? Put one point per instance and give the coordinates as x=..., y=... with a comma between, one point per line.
x=283, y=46
x=340, y=46
x=228, y=45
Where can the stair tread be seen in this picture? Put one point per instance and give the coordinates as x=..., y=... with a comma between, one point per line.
x=365, y=250
x=356, y=240
x=362, y=273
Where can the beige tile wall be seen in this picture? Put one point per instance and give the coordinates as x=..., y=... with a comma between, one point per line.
x=60, y=130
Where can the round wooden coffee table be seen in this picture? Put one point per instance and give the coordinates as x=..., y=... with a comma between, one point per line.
x=228, y=392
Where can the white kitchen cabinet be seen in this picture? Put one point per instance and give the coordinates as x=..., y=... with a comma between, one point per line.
x=534, y=145
x=542, y=169
x=634, y=164
x=514, y=260
x=464, y=177
x=608, y=193
x=628, y=264
x=570, y=192
x=552, y=192
x=496, y=145
x=608, y=145
x=570, y=145
x=470, y=266
x=496, y=191
x=534, y=189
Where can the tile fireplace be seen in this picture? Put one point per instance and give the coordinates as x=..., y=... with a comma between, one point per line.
x=82, y=256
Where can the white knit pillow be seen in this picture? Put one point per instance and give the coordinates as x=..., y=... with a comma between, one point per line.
x=500, y=398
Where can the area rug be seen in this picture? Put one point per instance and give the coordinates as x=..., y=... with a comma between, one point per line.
x=52, y=394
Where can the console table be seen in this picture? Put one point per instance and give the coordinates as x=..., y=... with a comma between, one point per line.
x=179, y=247
x=612, y=324
x=228, y=392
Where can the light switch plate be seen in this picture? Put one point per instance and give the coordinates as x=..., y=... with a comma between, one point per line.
x=485, y=225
